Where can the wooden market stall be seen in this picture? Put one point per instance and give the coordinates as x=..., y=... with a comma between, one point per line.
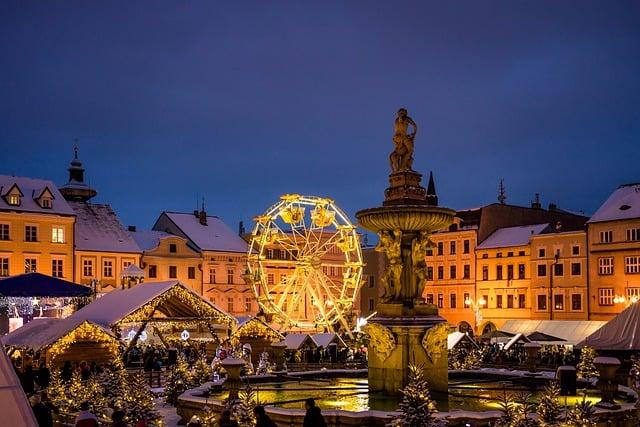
x=56, y=340
x=258, y=334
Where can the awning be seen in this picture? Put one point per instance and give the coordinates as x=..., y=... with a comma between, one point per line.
x=571, y=331
x=620, y=333
x=40, y=285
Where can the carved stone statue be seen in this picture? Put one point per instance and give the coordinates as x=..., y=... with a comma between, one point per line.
x=402, y=156
x=381, y=339
x=419, y=247
x=434, y=342
x=390, y=244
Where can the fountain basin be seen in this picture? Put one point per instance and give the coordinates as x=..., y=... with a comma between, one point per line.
x=405, y=217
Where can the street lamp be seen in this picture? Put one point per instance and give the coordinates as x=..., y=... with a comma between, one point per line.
x=476, y=306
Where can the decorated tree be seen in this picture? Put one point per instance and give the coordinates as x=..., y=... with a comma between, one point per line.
x=138, y=400
x=57, y=391
x=201, y=371
x=114, y=381
x=242, y=408
x=582, y=414
x=178, y=381
x=208, y=417
x=548, y=408
x=585, y=367
x=88, y=390
x=514, y=413
x=417, y=407
x=464, y=357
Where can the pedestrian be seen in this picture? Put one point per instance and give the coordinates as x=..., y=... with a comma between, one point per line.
x=262, y=419
x=51, y=408
x=86, y=418
x=39, y=411
x=226, y=421
x=44, y=376
x=313, y=417
x=27, y=380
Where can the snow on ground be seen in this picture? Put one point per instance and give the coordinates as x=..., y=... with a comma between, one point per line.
x=167, y=412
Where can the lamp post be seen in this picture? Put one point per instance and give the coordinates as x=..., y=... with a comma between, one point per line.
x=476, y=306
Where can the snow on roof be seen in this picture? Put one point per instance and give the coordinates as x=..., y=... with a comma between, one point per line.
x=512, y=236
x=215, y=236
x=99, y=229
x=295, y=341
x=624, y=203
x=42, y=332
x=31, y=189
x=132, y=270
x=149, y=239
x=455, y=337
x=323, y=340
x=14, y=405
x=572, y=331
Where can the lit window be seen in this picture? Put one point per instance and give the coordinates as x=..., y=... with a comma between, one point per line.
x=558, y=302
x=13, y=199
x=605, y=266
x=632, y=264
x=605, y=296
x=57, y=234
x=30, y=265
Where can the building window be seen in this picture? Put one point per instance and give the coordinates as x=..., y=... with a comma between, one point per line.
x=521, y=253
x=212, y=275
x=153, y=271
x=440, y=248
x=191, y=272
x=558, y=270
x=498, y=272
x=633, y=293
x=440, y=272
x=542, y=302
x=485, y=272
x=466, y=272
x=452, y=272
x=173, y=272
x=440, y=301
x=4, y=267
x=558, y=302
x=4, y=231
x=499, y=255
x=30, y=265
x=172, y=248
x=605, y=266
x=429, y=298
x=633, y=234
x=575, y=250
x=452, y=248
x=271, y=278
x=605, y=296
x=465, y=246
x=576, y=302
x=107, y=268
x=632, y=264
x=542, y=270
x=498, y=301
x=229, y=276
x=13, y=199
x=521, y=271
x=509, y=254
x=510, y=272
x=576, y=268
x=429, y=273
x=485, y=255
x=247, y=305
x=30, y=233
x=522, y=301
x=606, y=236
x=87, y=268
x=56, y=268
x=485, y=298
x=466, y=298
x=229, y=304
x=453, y=300
x=45, y=203
x=57, y=234
x=429, y=252
x=541, y=253
x=509, y=301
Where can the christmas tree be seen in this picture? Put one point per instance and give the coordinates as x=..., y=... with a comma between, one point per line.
x=57, y=391
x=585, y=367
x=201, y=371
x=208, y=417
x=548, y=408
x=178, y=381
x=416, y=406
x=242, y=409
x=514, y=413
x=461, y=357
x=138, y=400
x=582, y=414
x=114, y=382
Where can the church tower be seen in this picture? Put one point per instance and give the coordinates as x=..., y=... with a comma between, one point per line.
x=76, y=189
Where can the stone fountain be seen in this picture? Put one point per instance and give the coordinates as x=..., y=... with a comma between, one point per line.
x=405, y=330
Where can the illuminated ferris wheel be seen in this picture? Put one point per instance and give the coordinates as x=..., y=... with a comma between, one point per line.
x=305, y=263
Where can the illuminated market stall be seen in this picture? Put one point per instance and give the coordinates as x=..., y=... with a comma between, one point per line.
x=258, y=334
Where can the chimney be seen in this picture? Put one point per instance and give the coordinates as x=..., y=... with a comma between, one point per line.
x=536, y=202
x=241, y=230
x=132, y=228
x=202, y=216
x=553, y=207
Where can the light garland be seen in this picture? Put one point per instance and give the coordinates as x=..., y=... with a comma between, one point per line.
x=84, y=332
x=255, y=328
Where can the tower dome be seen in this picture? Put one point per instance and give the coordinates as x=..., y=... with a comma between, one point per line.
x=76, y=189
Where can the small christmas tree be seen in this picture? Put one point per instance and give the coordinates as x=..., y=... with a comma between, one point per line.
x=201, y=371
x=138, y=401
x=514, y=413
x=178, y=381
x=548, y=408
x=582, y=414
x=114, y=382
x=57, y=391
x=208, y=417
x=88, y=390
x=416, y=406
x=585, y=367
x=242, y=408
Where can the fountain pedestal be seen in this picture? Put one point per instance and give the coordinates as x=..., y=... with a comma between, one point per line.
x=233, y=367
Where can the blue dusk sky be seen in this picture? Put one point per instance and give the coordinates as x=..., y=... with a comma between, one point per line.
x=240, y=101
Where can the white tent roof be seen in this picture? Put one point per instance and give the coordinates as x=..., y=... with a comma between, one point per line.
x=323, y=340
x=132, y=270
x=295, y=341
x=14, y=406
x=515, y=339
x=455, y=337
x=620, y=333
x=42, y=332
x=572, y=331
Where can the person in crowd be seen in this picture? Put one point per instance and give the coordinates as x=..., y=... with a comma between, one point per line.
x=50, y=408
x=85, y=370
x=40, y=411
x=226, y=421
x=67, y=371
x=117, y=419
x=262, y=419
x=27, y=379
x=86, y=418
x=44, y=376
x=313, y=417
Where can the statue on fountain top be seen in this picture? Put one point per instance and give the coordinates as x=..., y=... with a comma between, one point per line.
x=402, y=156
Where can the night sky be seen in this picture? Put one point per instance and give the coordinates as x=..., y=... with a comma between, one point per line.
x=240, y=102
